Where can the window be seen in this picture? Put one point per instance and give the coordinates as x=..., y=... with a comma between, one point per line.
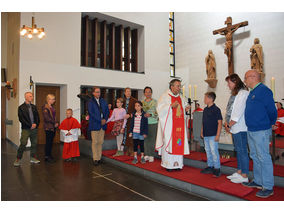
x=105, y=44
x=172, y=44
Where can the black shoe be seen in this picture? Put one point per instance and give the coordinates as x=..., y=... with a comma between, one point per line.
x=252, y=184
x=96, y=163
x=49, y=160
x=207, y=170
x=74, y=159
x=216, y=173
x=169, y=170
x=67, y=160
x=100, y=161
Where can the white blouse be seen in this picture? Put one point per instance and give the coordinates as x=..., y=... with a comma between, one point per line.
x=238, y=112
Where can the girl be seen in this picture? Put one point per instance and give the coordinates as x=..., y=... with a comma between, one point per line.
x=138, y=130
x=117, y=116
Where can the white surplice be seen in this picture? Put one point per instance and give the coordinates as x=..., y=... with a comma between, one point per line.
x=70, y=138
x=164, y=139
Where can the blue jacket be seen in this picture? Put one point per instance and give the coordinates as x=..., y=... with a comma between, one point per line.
x=260, y=112
x=95, y=114
x=143, y=124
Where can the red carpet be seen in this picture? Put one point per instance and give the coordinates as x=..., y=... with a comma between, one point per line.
x=201, y=156
x=232, y=162
x=234, y=189
x=193, y=176
x=279, y=143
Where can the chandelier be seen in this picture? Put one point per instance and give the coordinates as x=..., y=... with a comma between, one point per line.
x=33, y=30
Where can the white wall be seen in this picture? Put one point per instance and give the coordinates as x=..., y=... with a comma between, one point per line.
x=56, y=58
x=194, y=37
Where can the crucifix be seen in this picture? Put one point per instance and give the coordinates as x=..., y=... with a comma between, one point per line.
x=228, y=33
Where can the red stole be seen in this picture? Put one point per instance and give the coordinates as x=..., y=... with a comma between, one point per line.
x=69, y=123
x=178, y=129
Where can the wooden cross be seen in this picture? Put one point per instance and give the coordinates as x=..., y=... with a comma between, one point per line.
x=228, y=33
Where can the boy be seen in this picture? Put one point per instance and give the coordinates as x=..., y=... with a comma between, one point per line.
x=210, y=131
x=70, y=129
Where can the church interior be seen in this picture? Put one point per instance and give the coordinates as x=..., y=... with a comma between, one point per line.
x=71, y=52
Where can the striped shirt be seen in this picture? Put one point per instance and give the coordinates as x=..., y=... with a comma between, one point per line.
x=137, y=123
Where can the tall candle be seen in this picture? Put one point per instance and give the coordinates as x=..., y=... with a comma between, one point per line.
x=273, y=86
x=195, y=86
x=183, y=90
x=189, y=90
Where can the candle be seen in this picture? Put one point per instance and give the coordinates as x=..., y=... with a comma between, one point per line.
x=183, y=94
x=195, y=86
x=189, y=90
x=273, y=86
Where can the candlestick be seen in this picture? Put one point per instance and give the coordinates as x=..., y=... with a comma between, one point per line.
x=183, y=90
x=195, y=86
x=273, y=86
x=189, y=88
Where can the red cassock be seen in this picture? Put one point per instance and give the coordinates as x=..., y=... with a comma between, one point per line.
x=279, y=124
x=71, y=145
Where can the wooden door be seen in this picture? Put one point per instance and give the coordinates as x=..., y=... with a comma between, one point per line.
x=3, y=112
x=41, y=93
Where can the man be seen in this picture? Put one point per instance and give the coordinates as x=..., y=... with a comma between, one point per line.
x=260, y=115
x=29, y=118
x=98, y=112
x=172, y=141
x=129, y=106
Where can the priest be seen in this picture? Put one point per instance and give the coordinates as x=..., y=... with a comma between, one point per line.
x=172, y=140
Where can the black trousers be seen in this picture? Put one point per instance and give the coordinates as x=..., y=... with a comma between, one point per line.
x=49, y=136
x=139, y=143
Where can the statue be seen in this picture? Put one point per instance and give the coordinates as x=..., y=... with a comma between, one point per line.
x=256, y=57
x=211, y=69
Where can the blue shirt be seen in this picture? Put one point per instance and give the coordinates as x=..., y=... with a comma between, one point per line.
x=211, y=116
x=260, y=112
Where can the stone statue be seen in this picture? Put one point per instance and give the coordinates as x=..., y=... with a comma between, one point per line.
x=256, y=56
x=211, y=69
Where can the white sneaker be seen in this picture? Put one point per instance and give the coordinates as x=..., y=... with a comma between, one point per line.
x=146, y=158
x=235, y=175
x=151, y=159
x=240, y=179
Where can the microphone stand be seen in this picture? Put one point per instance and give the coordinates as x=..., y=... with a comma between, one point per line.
x=189, y=113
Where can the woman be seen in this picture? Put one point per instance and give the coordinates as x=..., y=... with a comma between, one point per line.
x=235, y=124
x=279, y=127
x=49, y=125
x=149, y=107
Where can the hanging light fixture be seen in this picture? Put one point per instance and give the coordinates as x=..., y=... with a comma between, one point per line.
x=33, y=30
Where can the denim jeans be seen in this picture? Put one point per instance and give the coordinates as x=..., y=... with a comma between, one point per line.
x=241, y=147
x=262, y=163
x=212, y=152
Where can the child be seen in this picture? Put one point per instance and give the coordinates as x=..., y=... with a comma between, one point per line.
x=70, y=129
x=138, y=130
x=119, y=125
x=210, y=131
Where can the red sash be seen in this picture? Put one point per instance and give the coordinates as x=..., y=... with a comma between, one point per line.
x=178, y=128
